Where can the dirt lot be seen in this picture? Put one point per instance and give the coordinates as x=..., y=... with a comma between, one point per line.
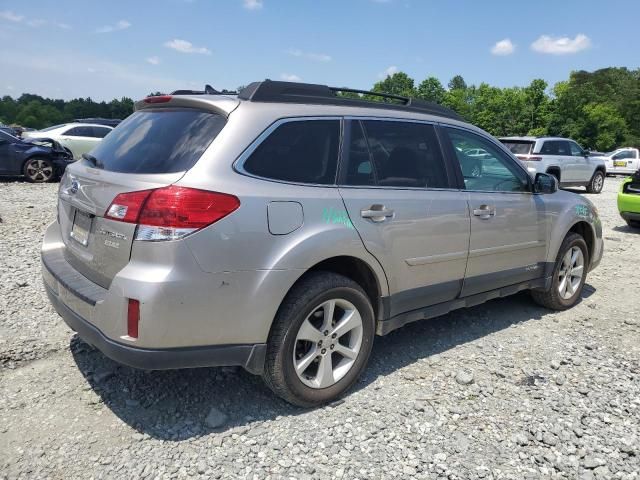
x=502, y=390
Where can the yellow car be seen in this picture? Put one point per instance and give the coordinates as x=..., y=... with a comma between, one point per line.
x=629, y=200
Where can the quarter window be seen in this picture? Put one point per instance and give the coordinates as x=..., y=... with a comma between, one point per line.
x=494, y=171
x=303, y=151
x=395, y=154
x=100, y=132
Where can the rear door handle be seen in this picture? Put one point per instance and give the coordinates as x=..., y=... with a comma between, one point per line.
x=376, y=213
x=485, y=211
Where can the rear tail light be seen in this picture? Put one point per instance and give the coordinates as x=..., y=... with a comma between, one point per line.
x=170, y=213
x=133, y=318
x=529, y=158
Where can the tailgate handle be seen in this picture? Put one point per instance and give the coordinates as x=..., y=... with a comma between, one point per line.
x=376, y=213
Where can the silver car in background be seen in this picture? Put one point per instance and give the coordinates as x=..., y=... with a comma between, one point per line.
x=561, y=157
x=281, y=229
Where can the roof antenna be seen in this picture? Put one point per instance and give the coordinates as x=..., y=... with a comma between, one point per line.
x=209, y=90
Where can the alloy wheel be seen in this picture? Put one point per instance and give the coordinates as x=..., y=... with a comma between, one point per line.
x=571, y=272
x=327, y=343
x=39, y=170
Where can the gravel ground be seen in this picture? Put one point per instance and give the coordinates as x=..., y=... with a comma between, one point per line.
x=502, y=390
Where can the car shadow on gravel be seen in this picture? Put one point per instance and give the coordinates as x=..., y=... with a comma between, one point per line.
x=173, y=405
x=626, y=229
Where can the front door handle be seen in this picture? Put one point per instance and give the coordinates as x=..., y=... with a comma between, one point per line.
x=376, y=213
x=485, y=211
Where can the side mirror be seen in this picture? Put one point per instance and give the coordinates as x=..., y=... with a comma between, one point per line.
x=587, y=153
x=545, y=183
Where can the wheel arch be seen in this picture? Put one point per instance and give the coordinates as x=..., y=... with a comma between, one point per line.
x=555, y=171
x=582, y=228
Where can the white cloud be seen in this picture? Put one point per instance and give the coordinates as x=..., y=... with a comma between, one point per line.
x=290, y=77
x=153, y=60
x=388, y=72
x=503, y=47
x=72, y=75
x=120, y=25
x=184, y=46
x=252, y=4
x=316, y=57
x=561, y=45
x=64, y=26
x=10, y=16
x=36, y=22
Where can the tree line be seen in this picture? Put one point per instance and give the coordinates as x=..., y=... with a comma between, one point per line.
x=35, y=111
x=600, y=109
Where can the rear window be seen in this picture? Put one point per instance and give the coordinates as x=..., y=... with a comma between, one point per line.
x=518, y=147
x=298, y=151
x=166, y=140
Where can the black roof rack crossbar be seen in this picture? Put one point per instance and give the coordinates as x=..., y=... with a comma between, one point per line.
x=307, y=93
x=208, y=90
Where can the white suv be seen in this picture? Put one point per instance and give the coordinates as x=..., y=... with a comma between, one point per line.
x=561, y=157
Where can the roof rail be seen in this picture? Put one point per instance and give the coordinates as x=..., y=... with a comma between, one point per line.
x=208, y=90
x=293, y=92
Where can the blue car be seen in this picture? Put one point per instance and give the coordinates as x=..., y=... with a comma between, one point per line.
x=38, y=160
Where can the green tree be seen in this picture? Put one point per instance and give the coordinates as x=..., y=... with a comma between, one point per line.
x=457, y=83
x=397, y=84
x=431, y=89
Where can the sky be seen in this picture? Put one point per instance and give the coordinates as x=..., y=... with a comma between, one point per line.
x=110, y=49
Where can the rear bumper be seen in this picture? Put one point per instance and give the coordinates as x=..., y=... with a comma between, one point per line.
x=251, y=357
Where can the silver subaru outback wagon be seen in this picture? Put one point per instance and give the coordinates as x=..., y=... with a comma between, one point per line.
x=283, y=228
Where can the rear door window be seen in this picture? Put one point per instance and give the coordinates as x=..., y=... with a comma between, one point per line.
x=300, y=151
x=556, y=147
x=395, y=154
x=79, y=132
x=159, y=140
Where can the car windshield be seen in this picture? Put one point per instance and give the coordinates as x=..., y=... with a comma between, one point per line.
x=518, y=147
x=159, y=140
x=48, y=129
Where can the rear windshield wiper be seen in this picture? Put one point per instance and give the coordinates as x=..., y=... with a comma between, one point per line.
x=92, y=160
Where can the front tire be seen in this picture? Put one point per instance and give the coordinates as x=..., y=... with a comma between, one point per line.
x=597, y=182
x=569, y=275
x=38, y=170
x=320, y=341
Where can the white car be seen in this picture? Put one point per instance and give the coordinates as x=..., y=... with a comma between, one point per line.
x=622, y=161
x=79, y=138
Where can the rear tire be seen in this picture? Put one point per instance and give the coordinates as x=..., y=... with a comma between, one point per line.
x=38, y=170
x=315, y=371
x=558, y=297
x=596, y=183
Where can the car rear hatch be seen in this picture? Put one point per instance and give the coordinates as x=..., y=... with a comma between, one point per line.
x=101, y=196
